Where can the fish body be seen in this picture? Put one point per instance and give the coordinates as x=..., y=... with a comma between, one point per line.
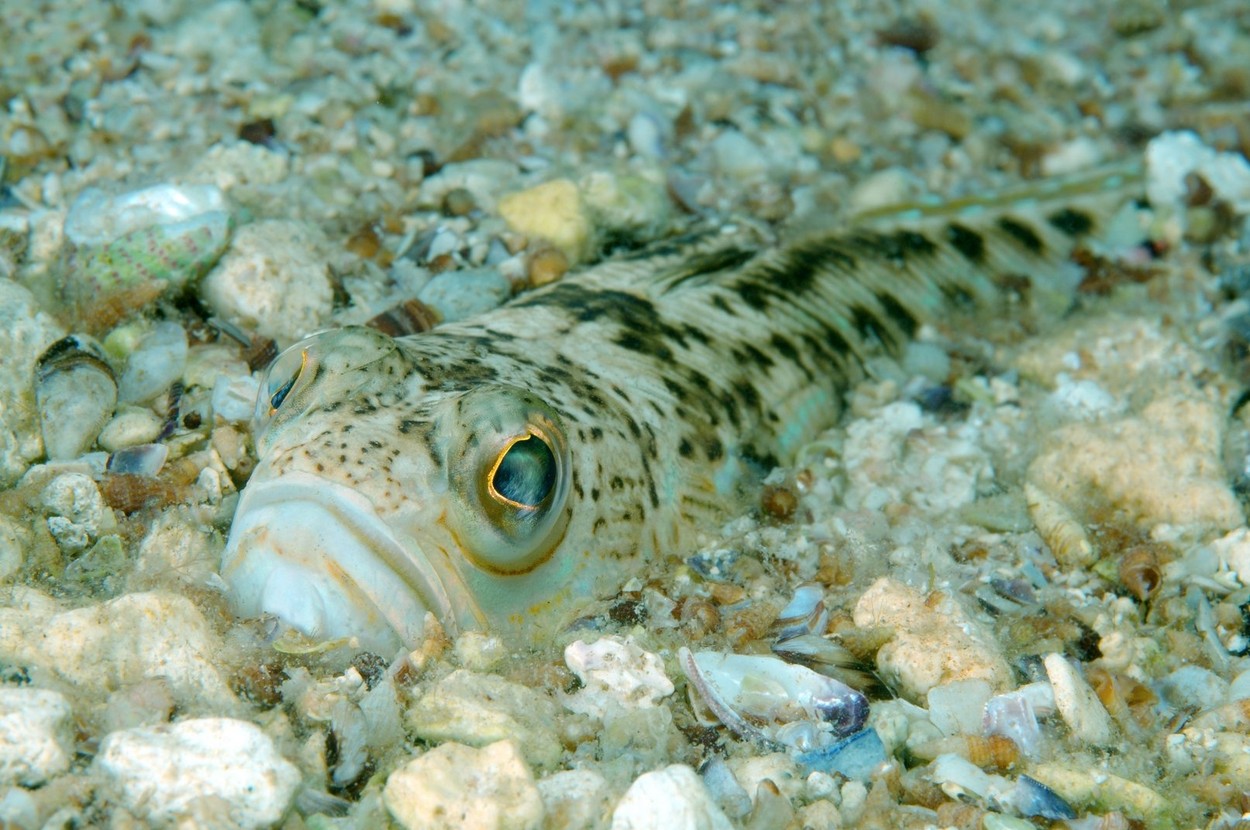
x=501, y=471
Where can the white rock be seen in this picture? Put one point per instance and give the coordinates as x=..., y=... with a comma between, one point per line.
x=1077, y=703
x=737, y=156
x=36, y=741
x=160, y=772
x=1172, y=156
x=1233, y=550
x=13, y=541
x=457, y=295
x=480, y=709
x=273, y=279
x=155, y=364
x=25, y=332
x=234, y=397
x=130, y=427
x=935, y=639
x=76, y=511
x=124, y=640
x=614, y=671
x=456, y=786
x=672, y=798
x=575, y=799
x=1195, y=687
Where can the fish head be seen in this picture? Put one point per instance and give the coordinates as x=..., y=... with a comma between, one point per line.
x=380, y=496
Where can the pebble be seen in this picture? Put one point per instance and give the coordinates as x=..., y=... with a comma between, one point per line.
x=14, y=539
x=154, y=365
x=935, y=640
x=131, y=426
x=125, y=640
x=36, y=736
x=273, y=281
x=958, y=708
x=672, y=798
x=553, y=211
x=479, y=709
x=615, y=672
x=461, y=788
x=1077, y=703
x=75, y=510
x=464, y=293
x=1195, y=687
x=189, y=771
x=25, y=332
x=234, y=397
x=574, y=799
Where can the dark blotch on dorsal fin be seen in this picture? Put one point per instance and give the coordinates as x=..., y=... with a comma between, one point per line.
x=1071, y=222
x=1025, y=236
x=967, y=241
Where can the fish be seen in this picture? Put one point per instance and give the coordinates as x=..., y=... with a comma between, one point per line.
x=500, y=473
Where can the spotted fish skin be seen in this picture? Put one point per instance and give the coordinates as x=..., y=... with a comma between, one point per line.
x=659, y=388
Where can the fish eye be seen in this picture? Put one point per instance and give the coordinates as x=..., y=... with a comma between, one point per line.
x=277, y=397
x=524, y=473
x=511, y=476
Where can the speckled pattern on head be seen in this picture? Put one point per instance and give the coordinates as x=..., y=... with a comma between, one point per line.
x=502, y=471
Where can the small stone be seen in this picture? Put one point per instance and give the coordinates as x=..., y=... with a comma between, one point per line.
x=547, y=265
x=554, y=211
x=171, y=774
x=456, y=786
x=1196, y=688
x=1077, y=703
x=25, y=332
x=615, y=672
x=458, y=201
x=935, y=640
x=154, y=366
x=273, y=280
x=574, y=799
x=76, y=511
x=36, y=738
x=672, y=798
x=131, y=426
x=459, y=295
x=479, y=709
x=124, y=640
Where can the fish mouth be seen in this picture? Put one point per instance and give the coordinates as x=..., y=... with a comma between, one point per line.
x=317, y=555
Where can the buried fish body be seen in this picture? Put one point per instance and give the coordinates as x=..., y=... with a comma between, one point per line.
x=500, y=472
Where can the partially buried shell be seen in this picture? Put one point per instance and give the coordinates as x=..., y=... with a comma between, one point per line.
x=76, y=393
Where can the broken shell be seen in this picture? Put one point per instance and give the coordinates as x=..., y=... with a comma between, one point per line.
x=804, y=614
x=1064, y=535
x=131, y=248
x=142, y=460
x=76, y=392
x=742, y=690
x=994, y=752
x=1140, y=572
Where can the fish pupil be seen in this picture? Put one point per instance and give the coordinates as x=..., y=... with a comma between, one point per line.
x=527, y=472
x=278, y=397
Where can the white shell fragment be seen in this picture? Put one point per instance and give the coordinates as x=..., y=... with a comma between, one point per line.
x=802, y=709
x=76, y=393
x=1077, y=703
x=36, y=741
x=166, y=774
x=961, y=779
x=615, y=672
x=97, y=218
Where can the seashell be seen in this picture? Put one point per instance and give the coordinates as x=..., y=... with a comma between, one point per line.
x=960, y=779
x=1063, y=534
x=1033, y=798
x=76, y=393
x=804, y=614
x=1140, y=572
x=1012, y=716
x=155, y=365
x=856, y=756
x=409, y=317
x=141, y=460
x=130, y=249
x=742, y=690
x=991, y=752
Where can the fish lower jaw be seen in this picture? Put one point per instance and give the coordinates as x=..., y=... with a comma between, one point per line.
x=328, y=570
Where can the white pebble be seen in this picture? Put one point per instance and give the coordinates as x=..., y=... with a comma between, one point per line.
x=130, y=427
x=575, y=798
x=76, y=511
x=153, y=367
x=159, y=772
x=234, y=398
x=957, y=708
x=36, y=742
x=615, y=671
x=737, y=156
x=672, y=798
x=457, y=295
x=1077, y=703
x=456, y=786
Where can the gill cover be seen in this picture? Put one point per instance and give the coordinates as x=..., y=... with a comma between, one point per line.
x=510, y=473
